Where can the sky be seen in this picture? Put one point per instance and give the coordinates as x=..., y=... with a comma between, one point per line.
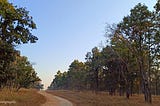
x=68, y=29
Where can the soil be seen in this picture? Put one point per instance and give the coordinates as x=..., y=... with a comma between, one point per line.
x=53, y=100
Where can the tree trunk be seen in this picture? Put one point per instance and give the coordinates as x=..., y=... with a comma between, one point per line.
x=97, y=83
x=127, y=91
x=145, y=82
x=146, y=87
x=156, y=87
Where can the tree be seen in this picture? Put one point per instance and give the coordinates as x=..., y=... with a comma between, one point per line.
x=157, y=6
x=136, y=28
x=109, y=68
x=15, y=28
x=76, y=75
x=15, y=24
x=7, y=54
x=94, y=69
x=23, y=73
x=130, y=61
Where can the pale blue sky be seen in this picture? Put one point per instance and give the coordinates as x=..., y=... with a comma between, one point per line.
x=68, y=29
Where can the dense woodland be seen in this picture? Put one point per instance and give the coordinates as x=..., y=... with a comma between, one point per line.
x=128, y=64
x=15, y=29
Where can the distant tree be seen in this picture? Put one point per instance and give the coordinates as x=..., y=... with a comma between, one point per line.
x=61, y=81
x=76, y=75
x=39, y=86
x=74, y=79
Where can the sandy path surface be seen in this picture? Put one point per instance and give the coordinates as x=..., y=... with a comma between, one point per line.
x=54, y=100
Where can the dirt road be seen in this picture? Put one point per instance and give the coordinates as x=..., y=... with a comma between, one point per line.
x=54, y=100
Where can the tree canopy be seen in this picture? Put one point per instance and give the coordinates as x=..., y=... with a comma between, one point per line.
x=130, y=62
x=15, y=28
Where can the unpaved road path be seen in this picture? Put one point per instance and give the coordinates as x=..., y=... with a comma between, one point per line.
x=54, y=100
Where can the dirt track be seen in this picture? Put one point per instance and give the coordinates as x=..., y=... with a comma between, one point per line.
x=54, y=100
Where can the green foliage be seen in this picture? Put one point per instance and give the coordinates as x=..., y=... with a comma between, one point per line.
x=6, y=57
x=15, y=28
x=157, y=6
x=25, y=76
x=73, y=79
x=15, y=24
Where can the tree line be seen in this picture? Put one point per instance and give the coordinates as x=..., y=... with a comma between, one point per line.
x=15, y=29
x=128, y=64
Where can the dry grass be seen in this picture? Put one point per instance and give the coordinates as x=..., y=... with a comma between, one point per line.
x=103, y=99
x=24, y=97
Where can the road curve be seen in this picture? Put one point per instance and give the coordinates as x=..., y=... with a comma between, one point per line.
x=53, y=100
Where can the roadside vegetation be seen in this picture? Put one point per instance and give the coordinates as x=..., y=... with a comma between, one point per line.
x=16, y=72
x=15, y=28
x=24, y=97
x=129, y=64
x=88, y=98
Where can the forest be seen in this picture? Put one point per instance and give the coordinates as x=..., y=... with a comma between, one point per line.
x=128, y=64
x=16, y=71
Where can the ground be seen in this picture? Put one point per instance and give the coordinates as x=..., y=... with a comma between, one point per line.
x=30, y=97
x=24, y=97
x=88, y=98
x=52, y=100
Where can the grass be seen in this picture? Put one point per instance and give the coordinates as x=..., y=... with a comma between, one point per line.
x=24, y=97
x=103, y=99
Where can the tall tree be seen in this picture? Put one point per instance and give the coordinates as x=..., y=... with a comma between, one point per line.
x=77, y=74
x=96, y=67
x=15, y=28
x=136, y=27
